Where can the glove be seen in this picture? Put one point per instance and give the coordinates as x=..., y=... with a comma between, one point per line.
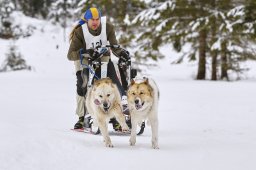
x=93, y=54
x=124, y=55
x=89, y=51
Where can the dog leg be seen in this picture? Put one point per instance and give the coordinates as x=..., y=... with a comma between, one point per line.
x=104, y=131
x=121, y=119
x=154, y=129
x=133, y=132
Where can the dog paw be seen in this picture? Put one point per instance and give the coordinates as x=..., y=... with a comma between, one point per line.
x=125, y=129
x=155, y=145
x=109, y=145
x=132, y=141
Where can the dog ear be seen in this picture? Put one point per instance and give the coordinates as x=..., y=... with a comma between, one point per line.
x=93, y=88
x=109, y=80
x=112, y=85
x=96, y=82
x=146, y=80
x=132, y=82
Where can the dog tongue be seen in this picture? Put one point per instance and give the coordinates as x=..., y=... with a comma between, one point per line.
x=97, y=102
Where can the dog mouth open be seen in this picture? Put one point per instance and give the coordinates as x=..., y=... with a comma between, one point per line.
x=139, y=106
x=106, y=106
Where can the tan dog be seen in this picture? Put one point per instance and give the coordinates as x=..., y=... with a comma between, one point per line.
x=103, y=102
x=143, y=99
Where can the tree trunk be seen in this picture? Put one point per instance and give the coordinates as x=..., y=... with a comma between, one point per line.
x=214, y=52
x=214, y=65
x=224, y=64
x=65, y=19
x=202, y=55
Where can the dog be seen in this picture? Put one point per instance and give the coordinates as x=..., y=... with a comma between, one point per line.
x=143, y=97
x=103, y=101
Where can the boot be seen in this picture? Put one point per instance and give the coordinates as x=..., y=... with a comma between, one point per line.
x=88, y=122
x=116, y=125
x=80, y=123
x=124, y=103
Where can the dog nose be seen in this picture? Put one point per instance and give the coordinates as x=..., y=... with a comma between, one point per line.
x=136, y=101
x=105, y=104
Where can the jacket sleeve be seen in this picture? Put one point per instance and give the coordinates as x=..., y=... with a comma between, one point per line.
x=111, y=36
x=76, y=44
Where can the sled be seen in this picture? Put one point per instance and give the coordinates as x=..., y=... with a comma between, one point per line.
x=96, y=63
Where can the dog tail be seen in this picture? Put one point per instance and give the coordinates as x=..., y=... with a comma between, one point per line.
x=152, y=83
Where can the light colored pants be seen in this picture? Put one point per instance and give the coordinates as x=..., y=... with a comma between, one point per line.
x=80, y=101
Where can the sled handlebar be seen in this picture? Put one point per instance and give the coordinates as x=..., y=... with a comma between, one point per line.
x=99, y=51
x=111, y=46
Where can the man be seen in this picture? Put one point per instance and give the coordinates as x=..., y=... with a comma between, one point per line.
x=93, y=30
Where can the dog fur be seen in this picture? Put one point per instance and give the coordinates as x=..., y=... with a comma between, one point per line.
x=103, y=102
x=143, y=97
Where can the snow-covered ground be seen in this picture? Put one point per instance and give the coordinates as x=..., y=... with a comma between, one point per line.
x=204, y=125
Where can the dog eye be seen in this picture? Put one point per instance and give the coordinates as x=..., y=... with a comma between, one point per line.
x=141, y=93
x=108, y=95
x=133, y=93
x=100, y=96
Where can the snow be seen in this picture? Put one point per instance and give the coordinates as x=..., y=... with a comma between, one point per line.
x=203, y=124
x=216, y=45
x=161, y=25
x=153, y=13
x=127, y=20
x=237, y=11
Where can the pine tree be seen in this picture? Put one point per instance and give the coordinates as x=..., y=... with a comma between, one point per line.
x=14, y=61
x=61, y=11
x=216, y=29
x=151, y=24
x=6, y=8
x=34, y=8
x=235, y=40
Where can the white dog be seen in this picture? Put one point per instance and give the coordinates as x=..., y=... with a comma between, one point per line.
x=143, y=96
x=103, y=102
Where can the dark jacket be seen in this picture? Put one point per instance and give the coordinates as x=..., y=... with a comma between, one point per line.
x=78, y=41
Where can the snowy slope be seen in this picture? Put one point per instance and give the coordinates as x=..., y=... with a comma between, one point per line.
x=203, y=124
